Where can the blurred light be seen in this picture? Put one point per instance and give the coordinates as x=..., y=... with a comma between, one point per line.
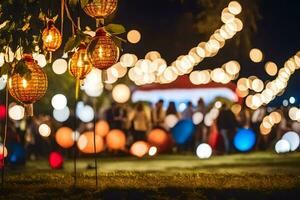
x=271, y=68
x=3, y=81
x=1, y=151
x=244, y=140
x=121, y=93
x=182, y=107
x=16, y=112
x=41, y=59
x=86, y=143
x=44, y=130
x=102, y=128
x=204, y=151
x=59, y=101
x=116, y=140
x=234, y=7
x=256, y=55
x=285, y=103
x=65, y=137
x=282, y=146
x=61, y=115
x=86, y=114
x=128, y=60
x=56, y=160
x=171, y=120
x=60, y=66
x=134, y=36
x=197, y=118
x=152, y=151
x=292, y=100
x=293, y=139
x=139, y=149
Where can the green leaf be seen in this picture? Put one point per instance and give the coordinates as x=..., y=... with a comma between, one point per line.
x=22, y=69
x=83, y=3
x=73, y=43
x=5, y=69
x=115, y=29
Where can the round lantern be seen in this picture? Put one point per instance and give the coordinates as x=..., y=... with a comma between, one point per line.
x=28, y=91
x=102, y=51
x=64, y=137
x=51, y=37
x=102, y=128
x=116, y=140
x=56, y=160
x=80, y=65
x=86, y=143
x=100, y=8
x=139, y=149
x=159, y=138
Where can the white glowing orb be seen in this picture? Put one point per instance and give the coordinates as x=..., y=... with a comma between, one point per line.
x=86, y=114
x=197, y=118
x=59, y=101
x=3, y=81
x=204, y=151
x=16, y=112
x=44, y=130
x=121, y=93
x=293, y=139
x=41, y=59
x=282, y=146
x=61, y=115
x=60, y=66
x=171, y=120
x=152, y=151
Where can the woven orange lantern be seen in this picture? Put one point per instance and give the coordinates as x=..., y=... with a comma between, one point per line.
x=100, y=8
x=102, y=51
x=51, y=37
x=80, y=65
x=31, y=90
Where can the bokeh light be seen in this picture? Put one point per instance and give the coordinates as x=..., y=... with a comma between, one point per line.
x=204, y=151
x=59, y=101
x=60, y=66
x=86, y=143
x=44, y=130
x=56, y=160
x=244, y=140
x=256, y=55
x=64, y=137
x=121, y=93
x=134, y=36
x=116, y=140
x=16, y=112
x=293, y=139
x=282, y=146
x=102, y=128
x=139, y=149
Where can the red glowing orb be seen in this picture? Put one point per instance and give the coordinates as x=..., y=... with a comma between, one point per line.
x=56, y=160
x=2, y=111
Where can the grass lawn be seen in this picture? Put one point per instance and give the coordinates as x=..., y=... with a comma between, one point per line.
x=248, y=176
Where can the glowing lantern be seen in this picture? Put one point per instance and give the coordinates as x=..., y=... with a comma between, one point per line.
x=103, y=52
x=64, y=137
x=51, y=37
x=56, y=160
x=116, y=140
x=159, y=138
x=31, y=90
x=86, y=143
x=121, y=93
x=100, y=8
x=102, y=128
x=80, y=65
x=139, y=149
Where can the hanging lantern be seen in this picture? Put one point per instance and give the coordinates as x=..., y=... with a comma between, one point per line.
x=51, y=36
x=100, y=8
x=80, y=65
x=102, y=51
x=31, y=90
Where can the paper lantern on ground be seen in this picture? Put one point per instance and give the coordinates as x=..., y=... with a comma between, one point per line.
x=116, y=140
x=51, y=37
x=139, y=149
x=80, y=65
x=244, y=140
x=102, y=128
x=100, y=8
x=64, y=137
x=86, y=143
x=159, y=138
x=28, y=91
x=103, y=52
x=56, y=160
x=183, y=131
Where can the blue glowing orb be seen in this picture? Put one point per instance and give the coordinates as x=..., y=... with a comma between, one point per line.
x=183, y=131
x=244, y=140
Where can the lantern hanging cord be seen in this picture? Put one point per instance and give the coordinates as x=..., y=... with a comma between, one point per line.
x=95, y=148
x=69, y=15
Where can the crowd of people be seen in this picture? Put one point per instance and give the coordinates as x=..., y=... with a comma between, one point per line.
x=138, y=120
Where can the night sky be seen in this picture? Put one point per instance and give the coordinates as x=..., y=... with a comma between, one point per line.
x=165, y=27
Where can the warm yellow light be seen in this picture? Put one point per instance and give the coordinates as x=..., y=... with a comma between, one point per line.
x=134, y=36
x=256, y=55
x=271, y=68
x=234, y=7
